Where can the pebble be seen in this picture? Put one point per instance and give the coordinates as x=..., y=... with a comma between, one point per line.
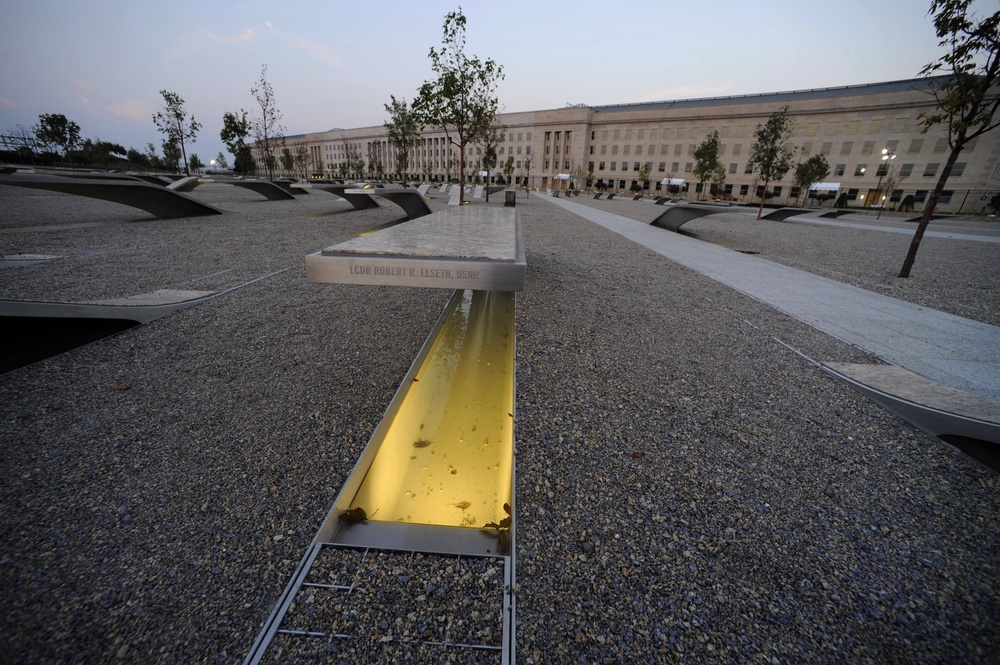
x=773, y=515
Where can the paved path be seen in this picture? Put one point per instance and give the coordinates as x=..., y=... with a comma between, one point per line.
x=952, y=350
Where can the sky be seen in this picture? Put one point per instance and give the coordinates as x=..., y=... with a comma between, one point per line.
x=334, y=64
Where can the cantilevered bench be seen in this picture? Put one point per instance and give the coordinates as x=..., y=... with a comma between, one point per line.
x=834, y=214
x=781, y=214
x=160, y=202
x=676, y=216
x=270, y=190
x=410, y=200
x=358, y=201
x=457, y=248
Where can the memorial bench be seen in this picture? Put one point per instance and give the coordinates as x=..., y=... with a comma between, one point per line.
x=272, y=191
x=462, y=378
x=676, y=216
x=781, y=214
x=158, y=201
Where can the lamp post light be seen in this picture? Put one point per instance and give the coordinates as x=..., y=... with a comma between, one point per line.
x=887, y=157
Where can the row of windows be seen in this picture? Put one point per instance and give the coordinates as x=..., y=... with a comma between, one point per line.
x=831, y=128
x=905, y=170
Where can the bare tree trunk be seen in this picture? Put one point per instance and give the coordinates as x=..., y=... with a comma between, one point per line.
x=763, y=196
x=932, y=202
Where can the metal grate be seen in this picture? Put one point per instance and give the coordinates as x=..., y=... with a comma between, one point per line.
x=379, y=605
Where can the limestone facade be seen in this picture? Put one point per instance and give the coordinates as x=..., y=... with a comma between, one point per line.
x=850, y=126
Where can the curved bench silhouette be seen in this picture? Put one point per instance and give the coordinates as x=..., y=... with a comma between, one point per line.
x=676, y=216
x=834, y=214
x=160, y=202
x=782, y=214
x=269, y=189
x=410, y=200
x=358, y=201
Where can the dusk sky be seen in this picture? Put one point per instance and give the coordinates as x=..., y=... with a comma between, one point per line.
x=101, y=63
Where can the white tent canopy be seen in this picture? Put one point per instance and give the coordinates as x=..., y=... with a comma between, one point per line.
x=672, y=181
x=562, y=176
x=825, y=187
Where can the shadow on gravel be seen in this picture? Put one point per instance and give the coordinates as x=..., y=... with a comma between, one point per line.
x=30, y=338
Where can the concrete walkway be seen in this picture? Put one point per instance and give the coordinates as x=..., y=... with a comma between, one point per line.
x=951, y=350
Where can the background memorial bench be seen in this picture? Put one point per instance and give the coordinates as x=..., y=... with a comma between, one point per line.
x=158, y=201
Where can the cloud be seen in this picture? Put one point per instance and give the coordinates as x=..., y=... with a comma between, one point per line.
x=82, y=91
x=193, y=44
x=312, y=48
x=9, y=103
x=245, y=36
x=133, y=109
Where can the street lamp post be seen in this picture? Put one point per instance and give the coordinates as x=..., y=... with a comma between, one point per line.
x=887, y=157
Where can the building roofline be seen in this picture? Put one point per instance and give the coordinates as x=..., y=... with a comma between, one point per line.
x=789, y=95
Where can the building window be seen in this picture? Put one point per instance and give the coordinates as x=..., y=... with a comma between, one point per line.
x=946, y=196
x=831, y=128
x=732, y=167
x=626, y=149
x=958, y=169
x=931, y=170
x=614, y=165
x=812, y=128
x=748, y=168
x=826, y=149
x=860, y=169
x=604, y=149
x=920, y=195
x=875, y=127
x=777, y=191
x=744, y=189
x=737, y=148
x=546, y=165
x=675, y=167
x=896, y=195
x=882, y=169
x=940, y=145
x=807, y=148
x=846, y=148
x=635, y=166
x=905, y=170
x=614, y=150
x=915, y=146
x=839, y=169
x=600, y=167
x=591, y=150
x=677, y=149
x=688, y=167
x=662, y=168
x=868, y=147
x=794, y=193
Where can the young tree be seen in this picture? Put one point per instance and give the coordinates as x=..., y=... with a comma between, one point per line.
x=809, y=172
x=770, y=157
x=55, y=130
x=171, y=154
x=706, y=159
x=302, y=159
x=508, y=169
x=287, y=159
x=221, y=161
x=402, y=130
x=196, y=164
x=968, y=99
x=492, y=137
x=175, y=122
x=527, y=170
x=234, y=133
x=462, y=100
x=718, y=180
x=266, y=128
x=893, y=179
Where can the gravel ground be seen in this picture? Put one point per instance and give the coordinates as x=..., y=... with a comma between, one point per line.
x=688, y=488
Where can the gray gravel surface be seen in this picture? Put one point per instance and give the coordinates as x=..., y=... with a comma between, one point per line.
x=689, y=489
